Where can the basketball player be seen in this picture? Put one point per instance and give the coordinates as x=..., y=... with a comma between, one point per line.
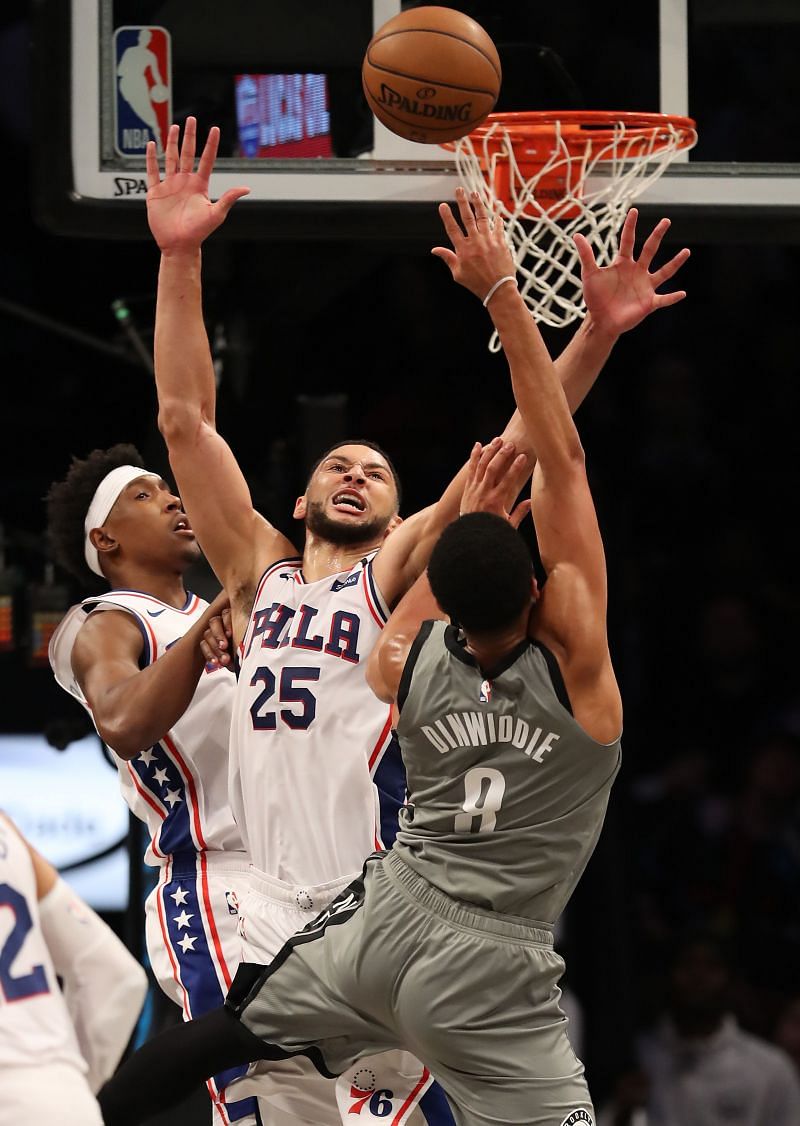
x=510, y=731
x=131, y=657
x=305, y=725
x=57, y=1048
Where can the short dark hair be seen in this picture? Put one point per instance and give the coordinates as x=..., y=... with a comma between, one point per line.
x=480, y=572
x=68, y=502
x=360, y=442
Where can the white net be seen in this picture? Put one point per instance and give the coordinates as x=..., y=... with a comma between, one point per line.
x=594, y=181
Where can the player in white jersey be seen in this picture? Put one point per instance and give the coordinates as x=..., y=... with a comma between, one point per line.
x=301, y=743
x=131, y=657
x=57, y=1047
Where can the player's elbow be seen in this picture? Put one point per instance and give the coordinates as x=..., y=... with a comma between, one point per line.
x=123, y=735
x=573, y=452
x=179, y=421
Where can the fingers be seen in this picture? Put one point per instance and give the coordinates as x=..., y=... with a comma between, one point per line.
x=519, y=513
x=497, y=458
x=209, y=154
x=186, y=159
x=482, y=215
x=670, y=269
x=452, y=229
x=215, y=641
x=446, y=256
x=585, y=254
x=662, y=300
x=474, y=461
x=465, y=210
x=226, y=201
x=653, y=242
x=151, y=164
x=171, y=151
x=226, y=621
x=627, y=237
x=214, y=658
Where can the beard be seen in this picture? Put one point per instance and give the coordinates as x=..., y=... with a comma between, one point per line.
x=343, y=534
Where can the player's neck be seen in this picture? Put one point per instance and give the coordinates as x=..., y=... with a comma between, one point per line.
x=167, y=586
x=322, y=558
x=489, y=650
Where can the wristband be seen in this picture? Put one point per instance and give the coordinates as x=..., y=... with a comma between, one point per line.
x=496, y=286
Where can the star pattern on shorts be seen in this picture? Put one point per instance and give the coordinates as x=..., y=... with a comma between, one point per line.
x=160, y=775
x=180, y=895
x=147, y=756
x=183, y=919
x=187, y=943
x=171, y=797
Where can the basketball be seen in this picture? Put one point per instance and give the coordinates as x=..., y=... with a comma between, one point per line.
x=159, y=93
x=431, y=74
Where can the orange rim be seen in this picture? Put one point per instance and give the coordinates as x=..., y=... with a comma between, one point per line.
x=581, y=127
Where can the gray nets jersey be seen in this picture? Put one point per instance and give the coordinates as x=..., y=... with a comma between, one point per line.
x=506, y=793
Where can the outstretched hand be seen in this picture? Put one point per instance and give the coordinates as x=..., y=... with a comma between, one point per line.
x=480, y=254
x=493, y=476
x=620, y=296
x=179, y=211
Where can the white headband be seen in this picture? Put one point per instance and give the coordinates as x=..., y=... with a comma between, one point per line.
x=104, y=499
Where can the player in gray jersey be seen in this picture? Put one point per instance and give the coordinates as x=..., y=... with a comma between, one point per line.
x=509, y=722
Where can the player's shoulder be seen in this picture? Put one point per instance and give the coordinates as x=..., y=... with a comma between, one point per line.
x=280, y=571
x=141, y=602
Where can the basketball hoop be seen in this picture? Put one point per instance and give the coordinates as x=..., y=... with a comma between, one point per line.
x=552, y=174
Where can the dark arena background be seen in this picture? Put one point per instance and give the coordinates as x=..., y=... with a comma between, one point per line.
x=328, y=320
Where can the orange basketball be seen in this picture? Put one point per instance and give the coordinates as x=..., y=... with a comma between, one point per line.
x=431, y=74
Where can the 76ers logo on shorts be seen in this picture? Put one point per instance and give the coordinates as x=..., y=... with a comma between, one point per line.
x=366, y=1097
x=577, y=1117
x=143, y=81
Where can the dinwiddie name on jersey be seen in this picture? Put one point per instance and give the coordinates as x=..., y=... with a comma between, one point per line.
x=479, y=729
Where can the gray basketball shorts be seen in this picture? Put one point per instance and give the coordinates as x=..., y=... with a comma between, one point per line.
x=395, y=963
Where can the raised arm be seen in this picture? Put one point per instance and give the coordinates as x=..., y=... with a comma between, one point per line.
x=133, y=708
x=571, y=617
x=238, y=542
x=618, y=298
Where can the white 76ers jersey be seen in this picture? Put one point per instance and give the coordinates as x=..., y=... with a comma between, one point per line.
x=307, y=730
x=179, y=787
x=35, y=1027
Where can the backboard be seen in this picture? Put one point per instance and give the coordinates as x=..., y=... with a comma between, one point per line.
x=283, y=82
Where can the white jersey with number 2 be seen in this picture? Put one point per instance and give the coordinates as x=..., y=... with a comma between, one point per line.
x=42, y=1072
x=307, y=730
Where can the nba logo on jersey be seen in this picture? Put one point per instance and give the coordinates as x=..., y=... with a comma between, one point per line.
x=143, y=77
x=485, y=693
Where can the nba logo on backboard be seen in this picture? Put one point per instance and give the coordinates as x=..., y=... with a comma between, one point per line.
x=143, y=94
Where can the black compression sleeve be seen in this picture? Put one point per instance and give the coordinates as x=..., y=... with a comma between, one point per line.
x=170, y=1066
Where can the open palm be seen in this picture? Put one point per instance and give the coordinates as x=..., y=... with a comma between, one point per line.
x=621, y=295
x=179, y=211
